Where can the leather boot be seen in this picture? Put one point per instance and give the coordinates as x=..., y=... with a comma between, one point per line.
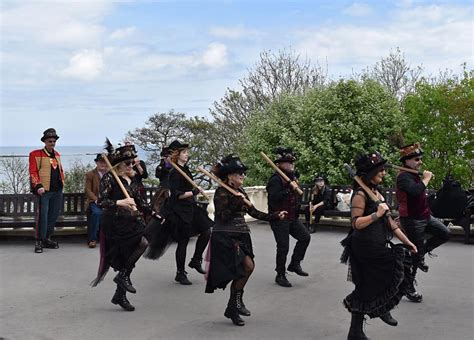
x=38, y=246
x=281, y=280
x=388, y=319
x=241, y=309
x=49, y=243
x=295, y=267
x=120, y=298
x=123, y=280
x=182, y=278
x=423, y=266
x=412, y=294
x=231, y=311
x=196, y=264
x=356, y=331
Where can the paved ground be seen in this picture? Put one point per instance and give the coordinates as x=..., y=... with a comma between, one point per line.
x=46, y=296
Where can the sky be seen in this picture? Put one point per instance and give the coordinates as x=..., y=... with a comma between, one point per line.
x=100, y=68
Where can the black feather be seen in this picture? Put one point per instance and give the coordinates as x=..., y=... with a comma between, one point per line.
x=108, y=146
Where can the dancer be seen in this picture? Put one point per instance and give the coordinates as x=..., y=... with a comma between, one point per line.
x=380, y=273
x=183, y=218
x=121, y=236
x=282, y=197
x=232, y=258
x=415, y=213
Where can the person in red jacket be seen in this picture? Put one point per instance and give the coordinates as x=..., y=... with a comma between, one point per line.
x=415, y=213
x=47, y=181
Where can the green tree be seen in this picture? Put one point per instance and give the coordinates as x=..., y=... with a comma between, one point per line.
x=75, y=177
x=327, y=127
x=441, y=116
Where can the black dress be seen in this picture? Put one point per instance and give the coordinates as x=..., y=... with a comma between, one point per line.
x=121, y=230
x=380, y=273
x=230, y=238
x=183, y=217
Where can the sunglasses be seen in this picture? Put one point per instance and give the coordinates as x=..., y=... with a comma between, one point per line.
x=128, y=163
x=417, y=159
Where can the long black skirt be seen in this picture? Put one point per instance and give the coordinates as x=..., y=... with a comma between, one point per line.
x=381, y=276
x=228, y=251
x=174, y=229
x=120, y=235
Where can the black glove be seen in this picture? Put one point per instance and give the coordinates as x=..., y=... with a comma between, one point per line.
x=195, y=191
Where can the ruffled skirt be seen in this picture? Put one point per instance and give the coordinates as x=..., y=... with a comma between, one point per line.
x=381, y=276
x=228, y=251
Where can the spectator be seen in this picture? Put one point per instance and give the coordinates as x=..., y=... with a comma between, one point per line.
x=94, y=212
x=47, y=181
x=320, y=201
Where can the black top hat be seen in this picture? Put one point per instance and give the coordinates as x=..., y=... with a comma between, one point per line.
x=410, y=151
x=319, y=177
x=230, y=164
x=284, y=155
x=98, y=157
x=49, y=133
x=119, y=154
x=368, y=164
x=176, y=145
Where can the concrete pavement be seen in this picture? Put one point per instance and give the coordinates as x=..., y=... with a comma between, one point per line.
x=47, y=296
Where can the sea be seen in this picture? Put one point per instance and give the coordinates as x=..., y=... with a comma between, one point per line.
x=70, y=155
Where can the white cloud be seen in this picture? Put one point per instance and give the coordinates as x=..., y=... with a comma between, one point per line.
x=123, y=33
x=233, y=32
x=84, y=65
x=358, y=9
x=215, y=55
x=437, y=37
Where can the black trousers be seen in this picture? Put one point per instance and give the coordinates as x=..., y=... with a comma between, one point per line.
x=417, y=230
x=282, y=230
x=316, y=214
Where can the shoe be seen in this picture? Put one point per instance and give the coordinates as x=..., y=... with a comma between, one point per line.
x=413, y=295
x=182, y=278
x=356, y=331
x=239, y=303
x=92, y=244
x=123, y=280
x=388, y=319
x=120, y=298
x=50, y=244
x=423, y=266
x=38, y=246
x=281, y=280
x=233, y=314
x=296, y=268
x=196, y=264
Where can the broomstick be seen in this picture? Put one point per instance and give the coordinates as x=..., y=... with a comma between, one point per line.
x=293, y=184
x=186, y=177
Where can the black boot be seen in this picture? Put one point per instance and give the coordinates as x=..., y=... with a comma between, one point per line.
x=388, y=319
x=182, y=278
x=232, y=312
x=356, y=331
x=38, y=246
x=123, y=280
x=120, y=298
x=241, y=309
x=196, y=264
x=282, y=280
x=295, y=267
x=423, y=266
x=412, y=294
x=49, y=243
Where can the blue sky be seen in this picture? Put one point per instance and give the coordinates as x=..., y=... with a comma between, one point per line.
x=99, y=68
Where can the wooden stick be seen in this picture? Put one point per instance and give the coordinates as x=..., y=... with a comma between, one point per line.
x=117, y=179
x=413, y=171
x=222, y=184
x=186, y=177
x=282, y=174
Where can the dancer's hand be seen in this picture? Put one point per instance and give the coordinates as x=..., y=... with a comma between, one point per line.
x=282, y=214
x=127, y=203
x=413, y=249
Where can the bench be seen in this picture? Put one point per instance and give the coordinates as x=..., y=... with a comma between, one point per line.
x=390, y=197
x=19, y=211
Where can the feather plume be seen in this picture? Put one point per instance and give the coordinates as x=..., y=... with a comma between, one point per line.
x=108, y=146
